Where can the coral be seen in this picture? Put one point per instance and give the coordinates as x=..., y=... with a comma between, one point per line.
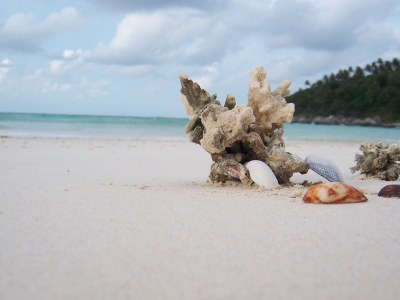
x=236, y=134
x=228, y=169
x=223, y=127
x=285, y=164
x=270, y=109
x=195, y=99
x=230, y=101
x=378, y=160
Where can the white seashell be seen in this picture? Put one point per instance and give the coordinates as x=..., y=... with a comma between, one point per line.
x=262, y=174
x=323, y=166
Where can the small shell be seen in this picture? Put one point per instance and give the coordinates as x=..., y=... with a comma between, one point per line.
x=333, y=192
x=323, y=166
x=390, y=191
x=262, y=174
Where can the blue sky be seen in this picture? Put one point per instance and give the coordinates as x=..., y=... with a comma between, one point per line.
x=124, y=57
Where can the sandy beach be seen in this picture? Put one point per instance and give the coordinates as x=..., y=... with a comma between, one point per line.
x=119, y=219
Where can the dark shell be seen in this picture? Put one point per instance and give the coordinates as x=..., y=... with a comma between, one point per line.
x=390, y=191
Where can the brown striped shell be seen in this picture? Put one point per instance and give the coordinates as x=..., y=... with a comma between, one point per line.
x=333, y=193
x=390, y=191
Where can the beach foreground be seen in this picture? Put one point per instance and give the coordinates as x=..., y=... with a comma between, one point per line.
x=117, y=219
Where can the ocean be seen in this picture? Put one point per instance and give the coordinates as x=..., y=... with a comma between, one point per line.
x=18, y=125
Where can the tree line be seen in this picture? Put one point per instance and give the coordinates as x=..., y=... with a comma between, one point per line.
x=354, y=93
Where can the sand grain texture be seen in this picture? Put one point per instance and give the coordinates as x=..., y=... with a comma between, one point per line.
x=82, y=219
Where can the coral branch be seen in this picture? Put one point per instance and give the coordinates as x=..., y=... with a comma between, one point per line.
x=230, y=101
x=196, y=97
x=270, y=109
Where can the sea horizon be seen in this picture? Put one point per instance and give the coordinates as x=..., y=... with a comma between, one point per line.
x=48, y=125
x=87, y=115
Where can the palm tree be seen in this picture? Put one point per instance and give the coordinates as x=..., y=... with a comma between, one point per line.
x=396, y=64
x=339, y=75
x=345, y=75
x=368, y=68
x=359, y=73
x=381, y=65
x=388, y=66
x=375, y=68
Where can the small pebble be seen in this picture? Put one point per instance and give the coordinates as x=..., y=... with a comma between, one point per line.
x=295, y=194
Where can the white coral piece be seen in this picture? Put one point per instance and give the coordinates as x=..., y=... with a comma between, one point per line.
x=269, y=108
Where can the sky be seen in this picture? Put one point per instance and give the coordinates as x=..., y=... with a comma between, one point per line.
x=124, y=57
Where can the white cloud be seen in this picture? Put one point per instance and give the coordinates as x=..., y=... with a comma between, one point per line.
x=100, y=84
x=148, y=38
x=128, y=5
x=68, y=53
x=3, y=72
x=65, y=87
x=98, y=88
x=130, y=71
x=50, y=86
x=191, y=37
x=36, y=75
x=22, y=33
x=4, y=69
x=207, y=75
x=330, y=25
x=6, y=62
x=70, y=61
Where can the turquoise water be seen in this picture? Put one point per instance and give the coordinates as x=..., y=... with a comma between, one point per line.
x=106, y=127
x=341, y=133
x=91, y=127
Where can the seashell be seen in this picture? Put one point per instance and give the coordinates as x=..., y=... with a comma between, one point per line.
x=390, y=191
x=262, y=174
x=333, y=193
x=323, y=166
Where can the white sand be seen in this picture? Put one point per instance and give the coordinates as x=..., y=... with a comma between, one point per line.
x=86, y=219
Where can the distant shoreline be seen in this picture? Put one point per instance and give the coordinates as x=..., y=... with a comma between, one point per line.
x=103, y=127
x=334, y=120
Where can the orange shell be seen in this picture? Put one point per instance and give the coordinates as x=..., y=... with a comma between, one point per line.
x=333, y=193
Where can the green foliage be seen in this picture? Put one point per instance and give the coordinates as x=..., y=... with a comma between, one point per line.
x=356, y=92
